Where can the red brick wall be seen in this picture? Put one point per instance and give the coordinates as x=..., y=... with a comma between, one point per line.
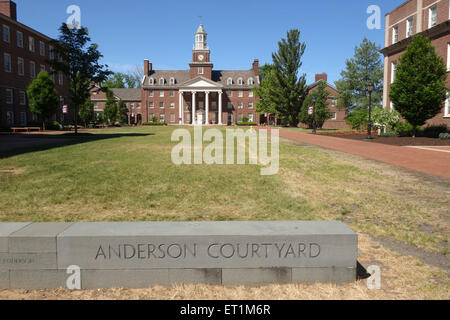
x=12, y=80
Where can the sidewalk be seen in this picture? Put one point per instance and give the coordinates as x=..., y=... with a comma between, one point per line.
x=428, y=161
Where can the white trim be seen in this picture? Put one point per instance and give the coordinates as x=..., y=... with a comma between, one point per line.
x=429, y=16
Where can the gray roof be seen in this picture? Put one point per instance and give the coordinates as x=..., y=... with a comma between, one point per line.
x=219, y=76
x=127, y=94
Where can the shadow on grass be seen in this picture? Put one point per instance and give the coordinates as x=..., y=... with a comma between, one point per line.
x=12, y=145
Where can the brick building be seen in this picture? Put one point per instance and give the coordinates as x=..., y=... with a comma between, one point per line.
x=24, y=52
x=429, y=18
x=200, y=95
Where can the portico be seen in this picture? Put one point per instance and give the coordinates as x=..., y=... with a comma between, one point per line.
x=204, y=102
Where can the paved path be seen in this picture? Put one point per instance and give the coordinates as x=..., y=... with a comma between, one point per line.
x=428, y=161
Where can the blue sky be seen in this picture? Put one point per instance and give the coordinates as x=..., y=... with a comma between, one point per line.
x=238, y=30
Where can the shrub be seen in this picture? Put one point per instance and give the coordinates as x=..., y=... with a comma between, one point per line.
x=405, y=129
x=154, y=124
x=444, y=136
x=388, y=134
x=247, y=124
x=434, y=131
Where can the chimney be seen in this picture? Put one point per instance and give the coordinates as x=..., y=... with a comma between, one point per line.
x=147, y=67
x=8, y=8
x=256, y=67
x=322, y=76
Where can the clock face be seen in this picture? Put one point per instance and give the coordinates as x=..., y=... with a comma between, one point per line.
x=201, y=57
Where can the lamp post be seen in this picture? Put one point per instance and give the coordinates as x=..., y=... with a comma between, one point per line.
x=314, y=116
x=370, y=89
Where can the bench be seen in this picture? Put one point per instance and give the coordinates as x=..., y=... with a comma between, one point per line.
x=26, y=129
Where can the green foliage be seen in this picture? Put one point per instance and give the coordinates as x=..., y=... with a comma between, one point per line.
x=434, y=131
x=154, y=123
x=122, y=112
x=267, y=102
x=42, y=97
x=247, y=124
x=444, y=136
x=79, y=60
x=366, y=67
x=86, y=112
x=419, y=87
x=404, y=129
x=111, y=111
x=123, y=80
x=358, y=119
x=321, y=111
x=288, y=90
x=154, y=119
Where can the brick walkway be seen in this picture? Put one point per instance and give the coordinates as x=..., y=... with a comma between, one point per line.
x=428, y=161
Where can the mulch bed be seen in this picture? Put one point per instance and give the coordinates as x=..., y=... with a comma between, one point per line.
x=397, y=141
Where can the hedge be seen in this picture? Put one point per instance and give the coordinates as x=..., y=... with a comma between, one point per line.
x=154, y=124
x=247, y=124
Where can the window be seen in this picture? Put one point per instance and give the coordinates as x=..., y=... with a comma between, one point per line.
x=42, y=48
x=172, y=94
x=393, y=70
x=7, y=62
x=200, y=70
x=19, y=36
x=31, y=46
x=230, y=106
x=20, y=67
x=9, y=96
x=250, y=94
x=10, y=118
x=172, y=81
x=230, y=93
x=161, y=81
x=250, y=117
x=132, y=106
x=161, y=94
x=333, y=116
x=151, y=81
x=23, y=118
x=447, y=106
x=172, y=105
x=409, y=27
x=395, y=34
x=151, y=94
x=241, y=94
x=162, y=118
x=60, y=78
x=229, y=81
x=214, y=117
x=139, y=105
x=432, y=16
x=240, y=105
x=172, y=117
x=213, y=105
x=161, y=105
x=151, y=105
x=333, y=102
x=51, y=52
x=6, y=34
x=32, y=69
x=214, y=94
x=188, y=118
x=42, y=67
x=250, y=105
x=240, y=81
x=240, y=117
x=251, y=81
x=22, y=98
x=448, y=56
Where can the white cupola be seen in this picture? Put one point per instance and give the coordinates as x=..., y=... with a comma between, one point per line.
x=200, y=39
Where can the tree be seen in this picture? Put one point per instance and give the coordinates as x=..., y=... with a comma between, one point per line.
x=42, y=97
x=110, y=107
x=366, y=67
x=122, y=112
x=319, y=99
x=86, y=112
x=79, y=60
x=419, y=87
x=116, y=80
x=385, y=118
x=264, y=92
x=289, y=89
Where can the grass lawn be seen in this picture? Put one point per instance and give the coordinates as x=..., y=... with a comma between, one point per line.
x=129, y=176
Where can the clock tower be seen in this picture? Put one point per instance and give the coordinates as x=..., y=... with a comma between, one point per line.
x=201, y=65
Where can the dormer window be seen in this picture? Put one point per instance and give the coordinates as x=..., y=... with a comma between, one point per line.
x=172, y=81
x=161, y=81
x=251, y=82
x=240, y=81
x=151, y=81
x=229, y=81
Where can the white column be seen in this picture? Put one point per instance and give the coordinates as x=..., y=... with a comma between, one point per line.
x=220, y=108
x=207, y=108
x=181, y=108
x=193, y=107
